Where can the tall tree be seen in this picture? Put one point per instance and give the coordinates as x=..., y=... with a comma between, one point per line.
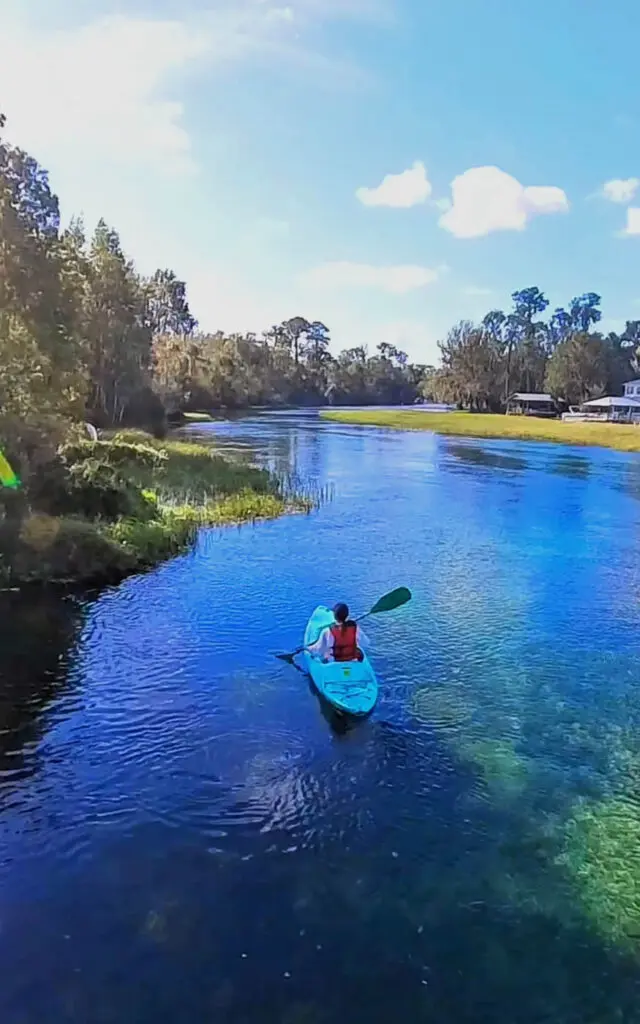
x=584, y=312
x=471, y=368
x=578, y=368
x=294, y=331
x=40, y=362
x=317, y=344
x=167, y=308
x=120, y=335
x=530, y=337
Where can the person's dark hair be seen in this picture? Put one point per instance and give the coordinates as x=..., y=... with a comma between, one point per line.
x=341, y=612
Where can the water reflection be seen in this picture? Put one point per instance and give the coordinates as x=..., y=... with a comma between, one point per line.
x=37, y=632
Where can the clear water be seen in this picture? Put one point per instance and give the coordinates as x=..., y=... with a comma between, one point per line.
x=186, y=835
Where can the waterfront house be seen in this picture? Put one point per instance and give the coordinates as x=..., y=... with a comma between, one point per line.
x=614, y=408
x=524, y=404
x=609, y=409
x=632, y=389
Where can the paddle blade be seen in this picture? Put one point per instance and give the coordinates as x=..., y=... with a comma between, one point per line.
x=286, y=657
x=7, y=477
x=391, y=601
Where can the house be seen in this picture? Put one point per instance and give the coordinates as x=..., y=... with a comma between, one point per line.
x=525, y=404
x=632, y=389
x=613, y=409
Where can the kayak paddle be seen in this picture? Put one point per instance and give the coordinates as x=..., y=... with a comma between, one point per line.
x=394, y=599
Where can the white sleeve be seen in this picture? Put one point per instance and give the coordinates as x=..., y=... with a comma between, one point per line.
x=361, y=637
x=319, y=649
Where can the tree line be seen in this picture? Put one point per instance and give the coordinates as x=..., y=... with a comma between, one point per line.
x=521, y=351
x=83, y=335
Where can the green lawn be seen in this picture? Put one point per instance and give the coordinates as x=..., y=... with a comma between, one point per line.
x=515, y=428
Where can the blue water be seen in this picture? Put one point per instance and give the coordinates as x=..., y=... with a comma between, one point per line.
x=185, y=833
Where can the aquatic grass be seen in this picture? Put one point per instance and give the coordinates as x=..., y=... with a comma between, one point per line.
x=503, y=770
x=442, y=707
x=602, y=859
x=112, y=507
x=177, y=525
x=625, y=438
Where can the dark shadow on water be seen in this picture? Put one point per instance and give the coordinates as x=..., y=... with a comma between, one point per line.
x=473, y=455
x=576, y=467
x=37, y=633
x=628, y=481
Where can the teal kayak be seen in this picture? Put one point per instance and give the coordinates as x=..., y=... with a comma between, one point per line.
x=350, y=686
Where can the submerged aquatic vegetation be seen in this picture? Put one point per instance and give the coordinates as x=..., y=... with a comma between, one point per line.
x=601, y=855
x=442, y=707
x=503, y=770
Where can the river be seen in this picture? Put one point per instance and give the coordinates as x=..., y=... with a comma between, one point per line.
x=186, y=836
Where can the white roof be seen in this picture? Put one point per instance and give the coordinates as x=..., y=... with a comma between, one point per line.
x=630, y=382
x=612, y=401
x=523, y=396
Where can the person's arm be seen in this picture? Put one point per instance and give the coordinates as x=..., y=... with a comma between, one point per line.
x=319, y=648
x=361, y=637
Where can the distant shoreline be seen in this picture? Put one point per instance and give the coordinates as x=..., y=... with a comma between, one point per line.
x=480, y=425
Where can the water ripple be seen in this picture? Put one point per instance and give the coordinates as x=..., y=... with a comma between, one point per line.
x=187, y=834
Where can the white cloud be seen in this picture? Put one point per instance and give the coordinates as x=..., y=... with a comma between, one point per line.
x=486, y=199
x=633, y=221
x=620, y=190
x=58, y=97
x=63, y=104
x=401, y=191
x=477, y=291
x=396, y=280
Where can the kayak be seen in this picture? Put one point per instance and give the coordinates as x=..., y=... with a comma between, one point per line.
x=350, y=686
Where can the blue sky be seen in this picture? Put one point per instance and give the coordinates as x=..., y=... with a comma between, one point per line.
x=386, y=166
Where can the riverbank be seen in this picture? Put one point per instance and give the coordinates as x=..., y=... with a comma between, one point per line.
x=484, y=425
x=106, y=509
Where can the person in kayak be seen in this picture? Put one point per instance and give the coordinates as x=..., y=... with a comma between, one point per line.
x=340, y=642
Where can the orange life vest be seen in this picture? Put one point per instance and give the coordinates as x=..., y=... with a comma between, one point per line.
x=345, y=647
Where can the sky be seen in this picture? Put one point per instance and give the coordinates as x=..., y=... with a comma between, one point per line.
x=385, y=166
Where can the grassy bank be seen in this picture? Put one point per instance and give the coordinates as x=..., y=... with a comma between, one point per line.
x=106, y=509
x=515, y=428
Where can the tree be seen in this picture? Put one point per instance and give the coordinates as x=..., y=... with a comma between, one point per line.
x=317, y=344
x=578, y=368
x=584, y=312
x=41, y=378
x=560, y=327
x=167, y=308
x=471, y=368
x=494, y=323
x=119, y=330
x=621, y=365
x=294, y=330
x=530, y=339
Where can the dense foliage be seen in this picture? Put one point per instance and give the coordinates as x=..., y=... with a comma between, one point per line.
x=482, y=364
x=82, y=333
x=84, y=336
